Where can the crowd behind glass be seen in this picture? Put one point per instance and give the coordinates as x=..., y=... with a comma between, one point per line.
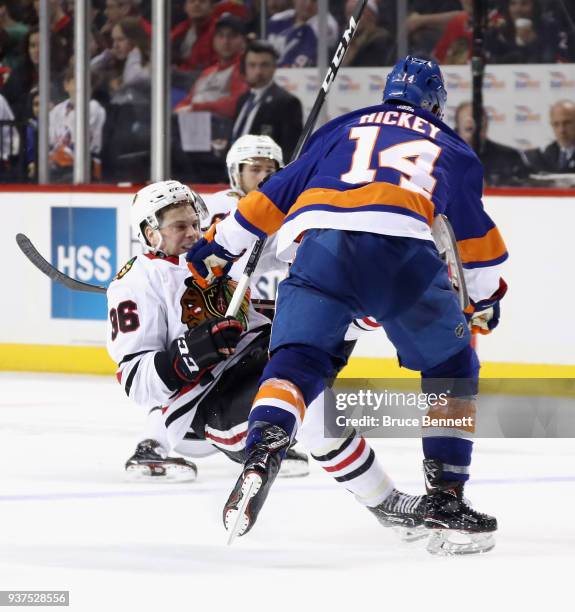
x=222, y=78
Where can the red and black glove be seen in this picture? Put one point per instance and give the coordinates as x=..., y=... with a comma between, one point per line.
x=484, y=317
x=198, y=350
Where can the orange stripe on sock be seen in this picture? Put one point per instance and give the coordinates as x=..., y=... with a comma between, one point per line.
x=455, y=408
x=284, y=390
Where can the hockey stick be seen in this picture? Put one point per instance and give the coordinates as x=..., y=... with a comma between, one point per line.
x=332, y=70
x=447, y=246
x=49, y=270
x=52, y=272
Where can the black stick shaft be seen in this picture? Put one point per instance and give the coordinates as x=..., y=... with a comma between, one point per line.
x=477, y=70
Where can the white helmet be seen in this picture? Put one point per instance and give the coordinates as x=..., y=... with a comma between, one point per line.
x=245, y=149
x=153, y=198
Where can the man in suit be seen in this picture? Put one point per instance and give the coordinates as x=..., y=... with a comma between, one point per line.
x=267, y=109
x=559, y=156
x=502, y=165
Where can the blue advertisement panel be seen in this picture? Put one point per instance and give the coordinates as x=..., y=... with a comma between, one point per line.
x=83, y=247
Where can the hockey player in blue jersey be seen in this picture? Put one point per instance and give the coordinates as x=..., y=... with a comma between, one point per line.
x=364, y=195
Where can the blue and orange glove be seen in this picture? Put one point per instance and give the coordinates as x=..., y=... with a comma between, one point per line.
x=208, y=260
x=484, y=317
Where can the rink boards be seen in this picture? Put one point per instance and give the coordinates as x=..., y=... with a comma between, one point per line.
x=85, y=232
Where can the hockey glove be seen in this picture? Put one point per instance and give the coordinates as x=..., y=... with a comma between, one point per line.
x=199, y=349
x=485, y=315
x=208, y=260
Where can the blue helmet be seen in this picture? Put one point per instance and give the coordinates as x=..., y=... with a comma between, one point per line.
x=417, y=82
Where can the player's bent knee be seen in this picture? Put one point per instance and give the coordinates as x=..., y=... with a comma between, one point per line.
x=458, y=376
x=304, y=366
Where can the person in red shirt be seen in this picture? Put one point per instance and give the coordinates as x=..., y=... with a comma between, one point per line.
x=454, y=47
x=219, y=86
x=192, y=47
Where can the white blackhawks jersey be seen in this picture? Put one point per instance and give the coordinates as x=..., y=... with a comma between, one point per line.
x=270, y=270
x=148, y=306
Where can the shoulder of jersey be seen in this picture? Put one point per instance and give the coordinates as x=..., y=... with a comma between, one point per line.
x=125, y=269
x=219, y=204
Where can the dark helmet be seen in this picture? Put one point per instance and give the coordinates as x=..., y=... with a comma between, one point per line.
x=418, y=82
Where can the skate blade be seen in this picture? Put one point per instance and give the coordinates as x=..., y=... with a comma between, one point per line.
x=161, y=473
x=446, y=542
x=291, y=468
x=237, y=517
x=411, y=534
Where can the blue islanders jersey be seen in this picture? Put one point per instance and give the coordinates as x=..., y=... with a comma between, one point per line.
x=385, y=169
x=296, y=45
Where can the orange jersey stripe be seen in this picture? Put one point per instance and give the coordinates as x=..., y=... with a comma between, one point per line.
x=374, y=193
x=261, y=212
x=486, y=248
x=282, y=390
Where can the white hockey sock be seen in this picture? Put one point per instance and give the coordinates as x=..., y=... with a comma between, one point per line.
x=346, y=456
x=354, y=465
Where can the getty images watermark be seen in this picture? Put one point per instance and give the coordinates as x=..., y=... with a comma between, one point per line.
x=409, y=408
x=374, y=401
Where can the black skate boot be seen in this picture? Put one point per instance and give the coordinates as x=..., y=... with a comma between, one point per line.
x=404, y=513
x=148, y=464
x=294, y=465
x=252, y=488
x=457, y=528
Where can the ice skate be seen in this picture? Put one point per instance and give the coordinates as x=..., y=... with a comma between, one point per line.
x=294, y=465
x=404, y=514
x=148, y=464
x=457, y=529
x=252, y=487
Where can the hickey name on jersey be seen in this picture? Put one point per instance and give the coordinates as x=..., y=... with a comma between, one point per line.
x=401, y=119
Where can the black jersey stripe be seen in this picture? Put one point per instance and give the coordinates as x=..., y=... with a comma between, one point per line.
x=130, y=379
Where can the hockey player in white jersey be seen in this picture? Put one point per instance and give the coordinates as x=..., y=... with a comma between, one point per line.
x=250, y=160
x=175, y=350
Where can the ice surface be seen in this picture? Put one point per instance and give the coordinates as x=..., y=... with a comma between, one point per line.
x=69, y=520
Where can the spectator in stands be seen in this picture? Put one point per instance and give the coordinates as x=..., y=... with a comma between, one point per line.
x=559, y=156
x=62, y=39
x=273, y=7
x=192, y=47
x=426, y=23
x=116, y=10
x=454, y=46
x=372, y=44
x=192, y=38
x=15, y=30
x=62, y=133
x=216, y=91
x=524, y=34
x=25, y=75
x=267, y=109
x=294, y=34
x=8, y=58
x=9, y=141
x=502, y=165
x=220, y=85
x=127, y=63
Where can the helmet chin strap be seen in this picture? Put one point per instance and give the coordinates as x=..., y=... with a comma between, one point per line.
x=154, y=249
